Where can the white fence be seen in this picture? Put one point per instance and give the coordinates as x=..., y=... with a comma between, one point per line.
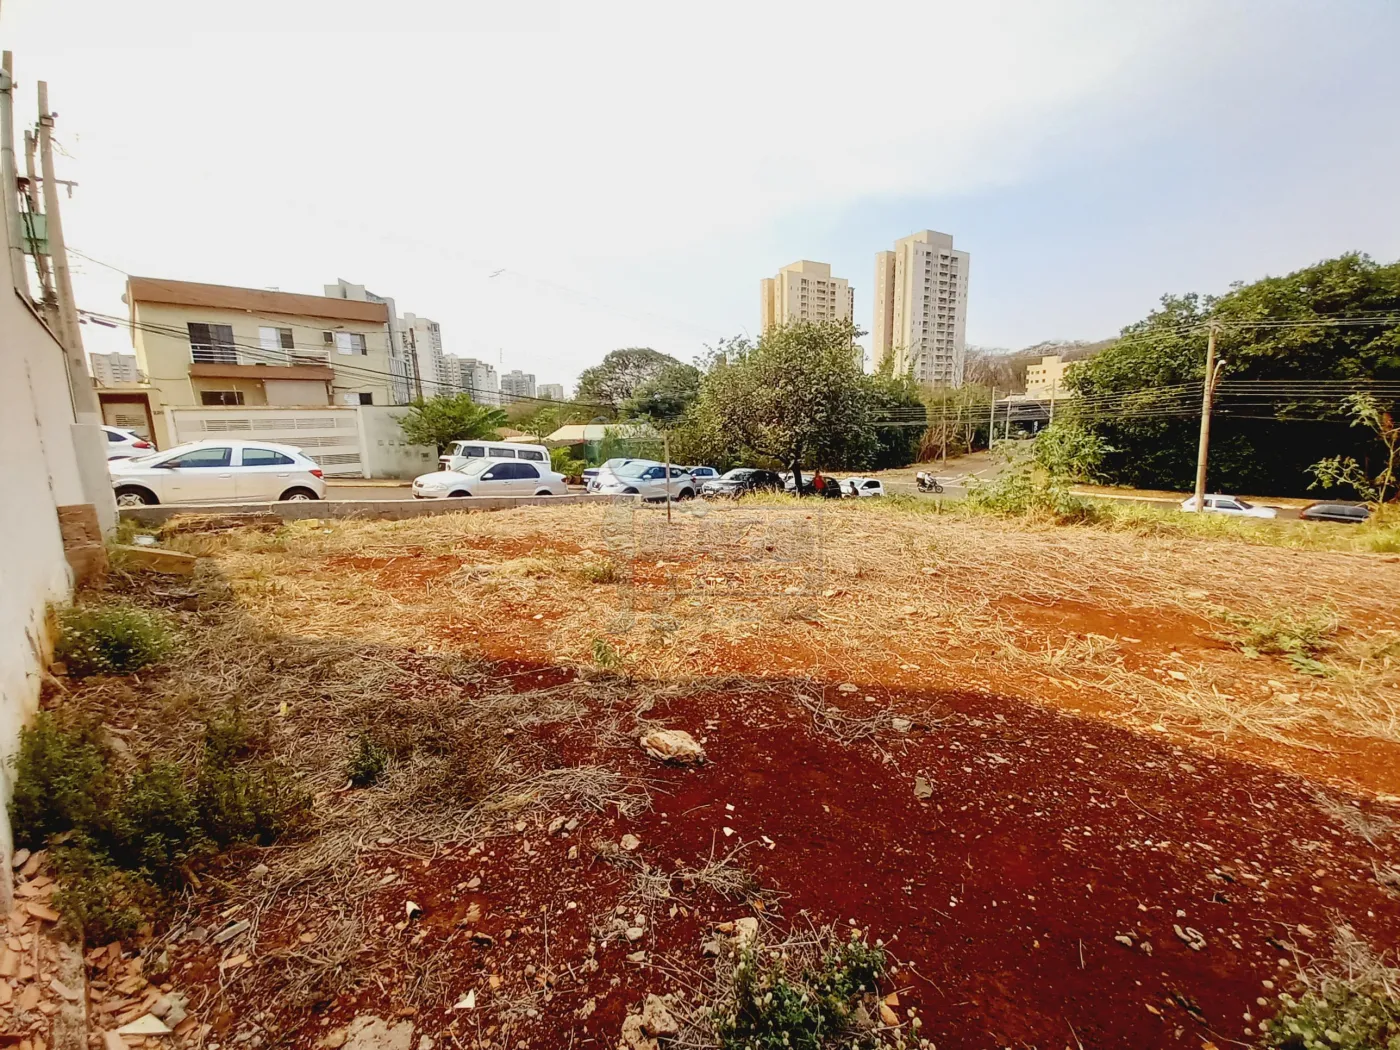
x=330, y=436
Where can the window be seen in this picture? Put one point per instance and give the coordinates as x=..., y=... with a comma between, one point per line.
x=212, y=344
x=221, y=397
x=526, y=453
x=524, y=470
x=113, y=435
x=503, y=453
x=202, y=457
x=349, y=342
x=366, y=399
x=475, y=451
x=266, y=457
x=275, y=342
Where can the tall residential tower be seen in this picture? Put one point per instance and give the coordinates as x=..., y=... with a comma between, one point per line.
x=920, y=318
x=804, y=291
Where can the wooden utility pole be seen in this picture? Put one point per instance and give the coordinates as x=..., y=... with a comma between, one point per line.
x=49, y=299
x=9, y=206
x=666, y=446
x=1207, y=391
x=85, y=406
x=992, y=423
x=1054, y=390
x=943, y=432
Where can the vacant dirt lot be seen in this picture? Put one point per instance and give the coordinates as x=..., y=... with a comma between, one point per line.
x=1091, y=789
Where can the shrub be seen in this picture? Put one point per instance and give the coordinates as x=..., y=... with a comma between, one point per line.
x=157, y=826
x=1298, y=640
x=1021, y=494
x=61, y=778
x=601, y=571
x=109, y=639
x=367, y=761
x=246, y=802
x=1351, y=1002
x=605, y=655
x=96, y=897
x=563, y=461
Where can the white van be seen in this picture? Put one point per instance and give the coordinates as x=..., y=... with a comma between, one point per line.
x=460, y=453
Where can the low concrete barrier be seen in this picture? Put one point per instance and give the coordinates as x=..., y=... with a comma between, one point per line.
x=374, y=510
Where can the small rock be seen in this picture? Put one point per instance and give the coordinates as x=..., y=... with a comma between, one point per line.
x=673, y=745
x=571, y=824
x=21, y=855
x=425, y=1042
x=629, y=842
x=657, y=1020
x=635, y=933
x=146, y=1024
x=746, y=930
x=711, y=948
x=260, y=871
x=374, y=1033
x=888, y=1016
x=637, y=957
x=922, y=788
x=411, y=910
x=848, y=687
x=231, y=931
x=1124, y=939
x=901, y=725
x=573, y=853
x=555, y=826
x=1193, y=938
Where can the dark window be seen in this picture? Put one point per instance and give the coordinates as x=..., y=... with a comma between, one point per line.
x=524, y=470
x=526, y=453
x=265, y=457
x=503, y=453
x=212, y=344
x=112, y=435
x=473, y=450
x=221, y=397
x=366, y=399
x=201, y=457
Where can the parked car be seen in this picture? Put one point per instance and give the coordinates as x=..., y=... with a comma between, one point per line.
x=1232, y=505
x=460, y=453
x=702, y=474
x=740, y=481
x=594, y=476
x=1353, y=513
x=217, y=472
x=646, y=478
x=491, y=477
x=126, y=444
x=863, y=487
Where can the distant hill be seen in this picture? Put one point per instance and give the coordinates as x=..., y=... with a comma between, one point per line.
x=1005, y=368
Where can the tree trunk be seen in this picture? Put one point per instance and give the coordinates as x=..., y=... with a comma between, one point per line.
x=797, y=475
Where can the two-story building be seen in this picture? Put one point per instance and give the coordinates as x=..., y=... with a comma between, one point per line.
x=209, y=345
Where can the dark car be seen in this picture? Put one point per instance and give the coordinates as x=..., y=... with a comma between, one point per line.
x=742, y=480
x=1355, y=513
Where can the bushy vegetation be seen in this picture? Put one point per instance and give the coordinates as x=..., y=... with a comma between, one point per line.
x=368, y=760
x=1350, y=1002
x=439, y=421
x=778, y=1003
x=1299, y=640
x=1026, y=494
x=109, y=639
x=563, y=461
x=124, y=837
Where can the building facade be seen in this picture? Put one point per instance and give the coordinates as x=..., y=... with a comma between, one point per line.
x=401, y=386
x=114, y=369
x=553, y=391
x=467, y=375
x=219, y=346
x=1046, y=381
x=804, y=291
x=516, y=384
x=428, y=373
x=920, y=317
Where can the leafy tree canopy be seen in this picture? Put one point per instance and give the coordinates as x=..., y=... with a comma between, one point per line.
x=439, y=421
x=664, y=397
x=616, y=378
x=1269, y=454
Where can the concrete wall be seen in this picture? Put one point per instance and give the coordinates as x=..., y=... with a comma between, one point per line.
x=41, y=473
x=385, y=451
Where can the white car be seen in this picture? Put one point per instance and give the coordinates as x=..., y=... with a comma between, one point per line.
x=460, y=453
x=491, y=477
x=702, y=474
x=862, y=487
x=646, y=478
x=125, y=444
x=1231, y=505
x=595, y=476
x=217, y=472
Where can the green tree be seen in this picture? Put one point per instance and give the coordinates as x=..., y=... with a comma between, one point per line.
x=664, y=397
x=895, y=400
x=797, y=396
x=1276, y=328
x=1338, y=471
x=616, y=378
x=439, y=421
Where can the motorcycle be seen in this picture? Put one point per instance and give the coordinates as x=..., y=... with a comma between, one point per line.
x=927, y=482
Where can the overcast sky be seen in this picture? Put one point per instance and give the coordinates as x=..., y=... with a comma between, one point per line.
x=551, y=181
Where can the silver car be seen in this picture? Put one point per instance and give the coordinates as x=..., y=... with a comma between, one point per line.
x=648, y=479
x=217, y=472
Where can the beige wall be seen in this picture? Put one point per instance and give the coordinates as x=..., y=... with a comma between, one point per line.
x=804, y=291
x=161, y=341
x=1047, y=379
x=921, y=308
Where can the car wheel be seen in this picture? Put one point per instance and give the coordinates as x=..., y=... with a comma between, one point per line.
x=458, y=494
x=134, y=497
x=629, y=492
x=298, y=496
x=544, y=492
x=686, y=494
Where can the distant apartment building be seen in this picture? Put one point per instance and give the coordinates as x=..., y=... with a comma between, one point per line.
x=114, y=369
x=477, y=378
x=401, y=389
x=1047, y=379
x=920, y=317
x=552, y=391
x=517, y=384
x=220, y=346
x=428, y=373
x=804, y=291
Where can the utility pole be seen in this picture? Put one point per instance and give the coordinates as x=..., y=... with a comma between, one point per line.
x=1054, y=391
x=992, y=423
x=85, y=407
x=19, y=273
x=1008, y=419
x=413, y=358
x=666, y=443
x=49, y=298
x=1207, y=391
x=943, y=432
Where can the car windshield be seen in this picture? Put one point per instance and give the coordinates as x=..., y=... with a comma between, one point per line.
x=634, y=469
x=1244, y=503
x=737, y=474
x=613, y=464
x=475, y=467
x=169, y=453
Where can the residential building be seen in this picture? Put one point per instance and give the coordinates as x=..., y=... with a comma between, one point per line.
x=427, y=368
x=516, y=384
x=804, y=291
x=402, y=388
x=471, y=376
x=920, y=316
x=215, y=345
x=114, y=369
x=1047, y=379
x=552, y=391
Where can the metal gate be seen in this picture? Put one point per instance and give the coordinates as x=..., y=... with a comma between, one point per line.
x=330, y=436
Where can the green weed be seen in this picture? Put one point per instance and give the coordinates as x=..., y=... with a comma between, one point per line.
x=109, y=639
x=605, y=655
x=1299, y=641
x=1021, y=494
x=367, y=761
x=1351, y=1002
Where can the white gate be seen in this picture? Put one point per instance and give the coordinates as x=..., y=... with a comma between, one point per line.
x=330, y=436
